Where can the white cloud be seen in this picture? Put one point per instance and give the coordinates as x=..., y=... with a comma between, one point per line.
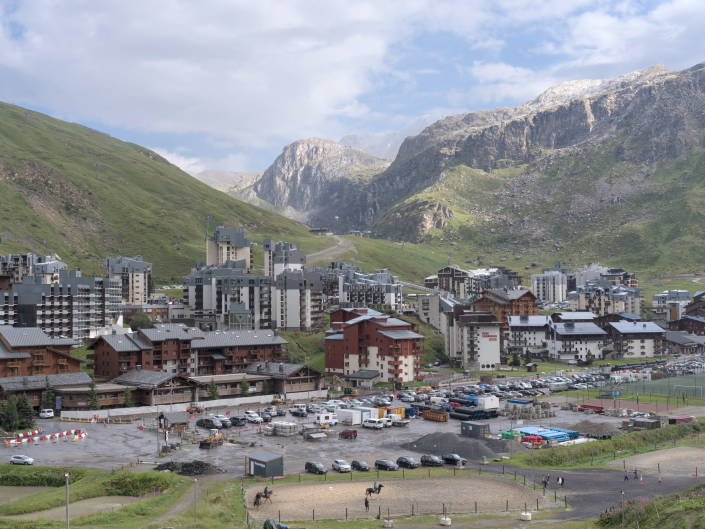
x=190, y=165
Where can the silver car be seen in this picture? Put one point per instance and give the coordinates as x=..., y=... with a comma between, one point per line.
x=341, y=465
x=21, y=460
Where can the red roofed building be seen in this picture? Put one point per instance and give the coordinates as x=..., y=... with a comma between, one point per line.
x=366, y=339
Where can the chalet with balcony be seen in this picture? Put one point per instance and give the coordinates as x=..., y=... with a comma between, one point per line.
x=28, y=351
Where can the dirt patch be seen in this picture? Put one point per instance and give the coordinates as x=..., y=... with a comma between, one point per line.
x=78, y=508
x=8, y=494
x=596, y=429
x=426, y=496
x=189, y=468
x=680, y=461
x=451, y=443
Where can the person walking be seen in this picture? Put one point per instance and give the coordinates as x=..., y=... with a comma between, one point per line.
x=626, y=476
x=367, y=504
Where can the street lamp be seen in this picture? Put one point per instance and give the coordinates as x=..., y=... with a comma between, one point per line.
x=622, y=509
x=195, y=498
x=66, y=477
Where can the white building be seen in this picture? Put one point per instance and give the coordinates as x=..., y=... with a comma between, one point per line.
x=297, y=301
x=281, y=256
x=550, y=287
x=135, y=277
x=478, y=341
x=637, y=339
x=527, y=332
x=670, y=304
x=574, y=341
x=228, y=244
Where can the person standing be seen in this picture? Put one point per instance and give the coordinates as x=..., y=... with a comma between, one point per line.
x=626, y=476
x=367, y=504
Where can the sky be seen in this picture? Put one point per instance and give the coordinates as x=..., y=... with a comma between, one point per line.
x=225, y=84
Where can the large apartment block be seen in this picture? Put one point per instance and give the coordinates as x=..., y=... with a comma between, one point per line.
x=637, y=339
x=14, y=268
x=280, y=256
x=363, y=338
x=479, y=341
x=297, y=301
x=135, y=276
x=551, y=286
x=349, y=286
x=465, y=284
x=502, y=303
x=228, y=244
x=76, y=307
x=602, y=297
x=527, y=332
x=575, y=342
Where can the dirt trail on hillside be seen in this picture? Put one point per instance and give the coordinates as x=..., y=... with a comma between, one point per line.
x=342, y=247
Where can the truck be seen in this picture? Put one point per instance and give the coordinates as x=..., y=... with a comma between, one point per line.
x=215, y=438
x=398, y=420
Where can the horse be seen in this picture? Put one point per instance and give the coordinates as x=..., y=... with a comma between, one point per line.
x=267, y=495
x=258, y=500
x=371, y=490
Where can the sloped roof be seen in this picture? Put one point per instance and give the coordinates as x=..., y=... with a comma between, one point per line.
x=577, y=315
x=171, y=331
x=364, y=374
x=264, y=455
x=238, y=338
x=124, y=343
x=275, y=369
x=12, y=384
x=509, y=294
x=636, y=327
x=578, y=328
x=401, y=335
x=143, y=378
x=31, y=337
x=528, y=321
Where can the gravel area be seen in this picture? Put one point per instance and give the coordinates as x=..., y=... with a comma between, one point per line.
x=681, y=460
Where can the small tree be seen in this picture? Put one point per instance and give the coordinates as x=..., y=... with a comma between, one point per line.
x=93, y=397
x=25, y=413
x=213, y=390
x=244, y=387
x=515, y=360
x=128, y=398
x=12, y=418
x=48, y=398
x=141, y=321
x=589, y=358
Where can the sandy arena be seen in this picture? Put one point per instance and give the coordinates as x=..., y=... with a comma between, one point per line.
x=330, y=499
x=681, y=460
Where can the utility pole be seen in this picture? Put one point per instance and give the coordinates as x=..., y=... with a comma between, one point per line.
x=66, y=477
x=622, y=509
x=195, y=499
x=157, y=430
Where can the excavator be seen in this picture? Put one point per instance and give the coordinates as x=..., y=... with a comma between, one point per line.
x=215, y=438
x=347, y=388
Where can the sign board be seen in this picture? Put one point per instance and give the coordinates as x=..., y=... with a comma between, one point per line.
x=57, y=403
x=615, y=393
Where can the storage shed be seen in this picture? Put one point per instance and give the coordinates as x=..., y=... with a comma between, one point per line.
x=264, y=463
x=475, y=429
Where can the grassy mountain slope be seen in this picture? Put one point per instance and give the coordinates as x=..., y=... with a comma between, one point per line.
x=54, y=198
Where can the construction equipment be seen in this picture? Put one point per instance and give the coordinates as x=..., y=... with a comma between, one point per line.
x=195, y=408
x=278, y=400
x=347, y=388
x=215, y=438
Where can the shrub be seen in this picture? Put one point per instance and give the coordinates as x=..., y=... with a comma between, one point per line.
x=138, y=483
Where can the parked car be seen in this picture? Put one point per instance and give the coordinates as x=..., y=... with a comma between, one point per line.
x=453, y=459
x=46, y=414
x=408, y=462
x=386, y=464
x=314, y=467
x=360, y=465
x=209, y=423
x=298, y=412
x=266, y=417
x=21, y=460
x=224, y=420
x=341, y=465
x=374, y=423
x=238, y=420
x=428, y=460
x=253, y=417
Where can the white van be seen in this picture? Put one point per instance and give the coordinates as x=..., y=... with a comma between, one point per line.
x=375, y=423
x=46, y=414
x=438, y=401
x=331, y=419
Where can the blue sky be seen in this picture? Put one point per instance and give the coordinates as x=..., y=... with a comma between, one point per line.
x=226, y=84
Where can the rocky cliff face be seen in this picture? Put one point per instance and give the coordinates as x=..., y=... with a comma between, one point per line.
x=311, y=174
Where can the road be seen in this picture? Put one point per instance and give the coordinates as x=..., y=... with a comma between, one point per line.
x=341, y=247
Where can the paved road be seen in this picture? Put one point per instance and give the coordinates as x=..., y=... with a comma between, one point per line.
x=341, y=247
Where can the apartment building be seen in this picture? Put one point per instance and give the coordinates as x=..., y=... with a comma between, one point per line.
x=348, y=286
x=363, y=338
x=637, y=339
x=602, y=297
x=440, y=310
x=297, y=301
x=550, y=286
x=281, y=256
x=575, y=342
x=135, y=277
x=178, y=349
x=29, y=351
x=228, y=244
x=670, y=304
x=465, y=284
x=618, y=276
x=478, y=341
x=217, y=292
x=14, y=268
x=504, y=302
x=526, y=333
x=76, y=307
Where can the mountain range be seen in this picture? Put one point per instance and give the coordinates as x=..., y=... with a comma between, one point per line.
x=601, y=169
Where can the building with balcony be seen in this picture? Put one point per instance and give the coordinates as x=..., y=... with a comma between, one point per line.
x=504, y=302
x=228, y=244
x=348, y=286
x=526, y=333
x=28, y=351
x=464, y=284
x=297, y=301
x=602, y=297
x=281, y=256
x=363, y=338
x=33, y=386
x=479, y=341
x=135, y=276
x=637, y=339
x=575, y=342
x=14, y=268
x=287, y=378
x=550, y=286
x=76, y=307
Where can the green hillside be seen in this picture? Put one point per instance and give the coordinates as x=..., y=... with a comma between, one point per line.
x=69, y=189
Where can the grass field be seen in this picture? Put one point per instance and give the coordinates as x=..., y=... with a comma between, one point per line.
x=306, y=348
